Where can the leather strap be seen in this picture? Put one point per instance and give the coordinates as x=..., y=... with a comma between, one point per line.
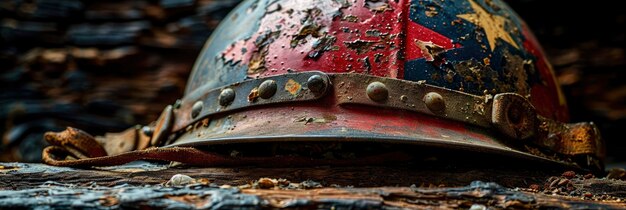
x=76, y=148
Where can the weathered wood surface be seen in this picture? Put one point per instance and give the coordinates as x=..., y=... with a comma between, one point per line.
x=478, y=195
x=146, y=185
x=24, y=176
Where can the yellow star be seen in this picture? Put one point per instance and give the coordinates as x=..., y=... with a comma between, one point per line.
x=492, y=24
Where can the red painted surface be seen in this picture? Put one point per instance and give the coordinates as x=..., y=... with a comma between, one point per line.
x=388, y=39
x=547, y=98
x=355, y=23
x=327, y=118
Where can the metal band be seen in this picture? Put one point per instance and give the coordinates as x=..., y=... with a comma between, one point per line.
x=413, y=96
x=293, y=87
x=509, y=113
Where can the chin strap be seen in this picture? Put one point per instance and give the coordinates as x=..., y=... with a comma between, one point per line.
x=77, y=148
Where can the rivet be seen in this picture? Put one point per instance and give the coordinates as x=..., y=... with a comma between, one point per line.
x=147, y=130
x=316, y=84
x=196, y=109
x=377, y=91
x=267, y=89
x=434, y=102
x=226, y=96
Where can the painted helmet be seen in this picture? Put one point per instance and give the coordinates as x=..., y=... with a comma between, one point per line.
x=449, y=74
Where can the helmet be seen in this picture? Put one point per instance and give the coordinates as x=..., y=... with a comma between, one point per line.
x=450, y=74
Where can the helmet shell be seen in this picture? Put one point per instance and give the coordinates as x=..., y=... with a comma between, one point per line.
x=475, y=46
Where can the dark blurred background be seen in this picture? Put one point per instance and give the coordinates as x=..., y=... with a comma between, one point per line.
x=104, y=66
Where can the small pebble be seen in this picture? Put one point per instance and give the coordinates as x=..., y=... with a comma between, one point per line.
x=180, y=179
x=535, y=187
x=569, y=174
x=266, y=183
x=478, y=207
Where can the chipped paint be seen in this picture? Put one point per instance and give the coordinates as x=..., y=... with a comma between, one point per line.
x=450, y=44
x=429, y=49
x=350, y=18
x=345, y=35
x=360, y=46
x=310, y=31
x=322, y=45
x=377, y=5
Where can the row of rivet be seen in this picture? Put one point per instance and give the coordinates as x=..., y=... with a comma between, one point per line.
x=316, y=84
x=377, y=91
x=512, y=114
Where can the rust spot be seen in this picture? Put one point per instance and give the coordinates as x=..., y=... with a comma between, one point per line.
x=293, y=87
x=311, y=29
x=350, y=18
x=516, y=73
x=254, y=94
x=449, y=76
x=205, y=122
x=476, y=73
x=257, y=60
x=257, y=63
x=431, y=11
x=473, y=72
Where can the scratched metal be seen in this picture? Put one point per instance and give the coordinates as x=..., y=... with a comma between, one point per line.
x=336, y=117
x=290, y=88
x=476, y=47
x=473, y=46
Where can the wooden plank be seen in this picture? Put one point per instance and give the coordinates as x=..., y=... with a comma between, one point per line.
x=24, y=176
x=143, y=184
